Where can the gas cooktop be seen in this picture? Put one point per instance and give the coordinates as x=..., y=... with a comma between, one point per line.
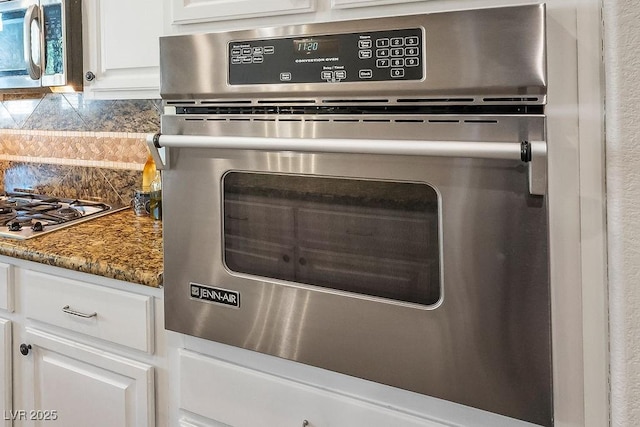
x=27, y=215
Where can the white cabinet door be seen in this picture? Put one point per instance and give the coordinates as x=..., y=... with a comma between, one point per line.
x=6, y=287
x=194, y=11
x=78, y=385
x=5, y=373
x=121, y=45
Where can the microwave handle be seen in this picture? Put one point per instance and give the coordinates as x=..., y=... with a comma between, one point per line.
x=32, y=15
x=533, y=153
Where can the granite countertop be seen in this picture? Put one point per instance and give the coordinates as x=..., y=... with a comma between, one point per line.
x=119, y=245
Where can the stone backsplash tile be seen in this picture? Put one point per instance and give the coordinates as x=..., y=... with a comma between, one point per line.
x=72, y=112
x=112, y=186
x=68, y=146
x=128, y=150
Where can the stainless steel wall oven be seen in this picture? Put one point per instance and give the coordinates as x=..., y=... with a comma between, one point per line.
x=367, y=197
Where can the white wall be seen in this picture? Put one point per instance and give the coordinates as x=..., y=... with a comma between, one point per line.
x=622, y=69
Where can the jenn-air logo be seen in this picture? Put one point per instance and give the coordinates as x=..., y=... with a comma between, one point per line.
x=215, y=295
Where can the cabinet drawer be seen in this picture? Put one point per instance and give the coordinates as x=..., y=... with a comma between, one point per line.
x=237, y=396
x=109, y=314
x=6, y=294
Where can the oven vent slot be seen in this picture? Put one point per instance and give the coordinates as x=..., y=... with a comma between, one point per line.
x=355, y=101
x=435, y=100
x=507, y=99
x=407, y=120
x=287, y=101
x=213, y=110
x=221, y=102
x=481, y=121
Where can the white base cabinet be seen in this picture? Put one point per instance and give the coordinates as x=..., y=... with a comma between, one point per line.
x=77, y=385
x=79, y=350
x=5, y=373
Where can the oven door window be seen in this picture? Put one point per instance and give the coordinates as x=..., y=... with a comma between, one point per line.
x=373, y=238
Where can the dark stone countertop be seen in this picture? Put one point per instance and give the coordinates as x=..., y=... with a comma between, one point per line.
x=119, y=246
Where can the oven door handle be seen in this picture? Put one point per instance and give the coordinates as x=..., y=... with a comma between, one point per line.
x=534, y=153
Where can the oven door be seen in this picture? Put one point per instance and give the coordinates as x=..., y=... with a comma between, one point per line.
x=424, y=272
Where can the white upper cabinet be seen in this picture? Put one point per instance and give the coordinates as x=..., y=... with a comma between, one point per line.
x=121, y=48
x=194, y=11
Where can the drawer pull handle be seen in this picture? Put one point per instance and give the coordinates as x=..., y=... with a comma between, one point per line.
x=68, y=310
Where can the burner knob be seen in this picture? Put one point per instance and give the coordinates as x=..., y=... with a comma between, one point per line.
x=37, y=226
x=15, y=226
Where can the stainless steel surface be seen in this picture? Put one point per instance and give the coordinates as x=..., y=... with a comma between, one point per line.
x=477, y=150
x=493, y=59
x=486, y=342
x=32, y=16
x=72, y=312
x=33, y=72
x=19, y=81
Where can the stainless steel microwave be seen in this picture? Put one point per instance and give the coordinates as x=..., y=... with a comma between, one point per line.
x=40, y=44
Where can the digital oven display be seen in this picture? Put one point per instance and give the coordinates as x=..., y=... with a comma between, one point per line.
x=317, y=46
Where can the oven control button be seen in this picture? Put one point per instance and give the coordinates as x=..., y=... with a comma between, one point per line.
x=326, y=75
x=382, y=63
x=285, y=77
x=411, y=51
x=397, y=62
x=382, y=43
x=411, y=62
x=397, y=73
x=341, y=74
x=411, y=41
x=365, y=54
x=397, y=41
x=269, y=50
x=382, y=53
x=397, y=51
x=365, y=44
x=365, y=74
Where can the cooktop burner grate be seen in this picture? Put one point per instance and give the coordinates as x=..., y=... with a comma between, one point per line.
x=27, y=215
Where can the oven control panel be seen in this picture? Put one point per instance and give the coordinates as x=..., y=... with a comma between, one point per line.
x=356, y=57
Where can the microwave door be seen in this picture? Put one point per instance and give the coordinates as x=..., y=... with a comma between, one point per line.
x=20, y=44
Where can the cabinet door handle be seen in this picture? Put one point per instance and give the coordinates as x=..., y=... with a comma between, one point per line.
x=68, y=310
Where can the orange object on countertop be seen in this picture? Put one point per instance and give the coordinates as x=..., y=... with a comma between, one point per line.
x=148, y=173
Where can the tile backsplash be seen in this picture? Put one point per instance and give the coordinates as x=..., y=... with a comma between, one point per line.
x=67, y=146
